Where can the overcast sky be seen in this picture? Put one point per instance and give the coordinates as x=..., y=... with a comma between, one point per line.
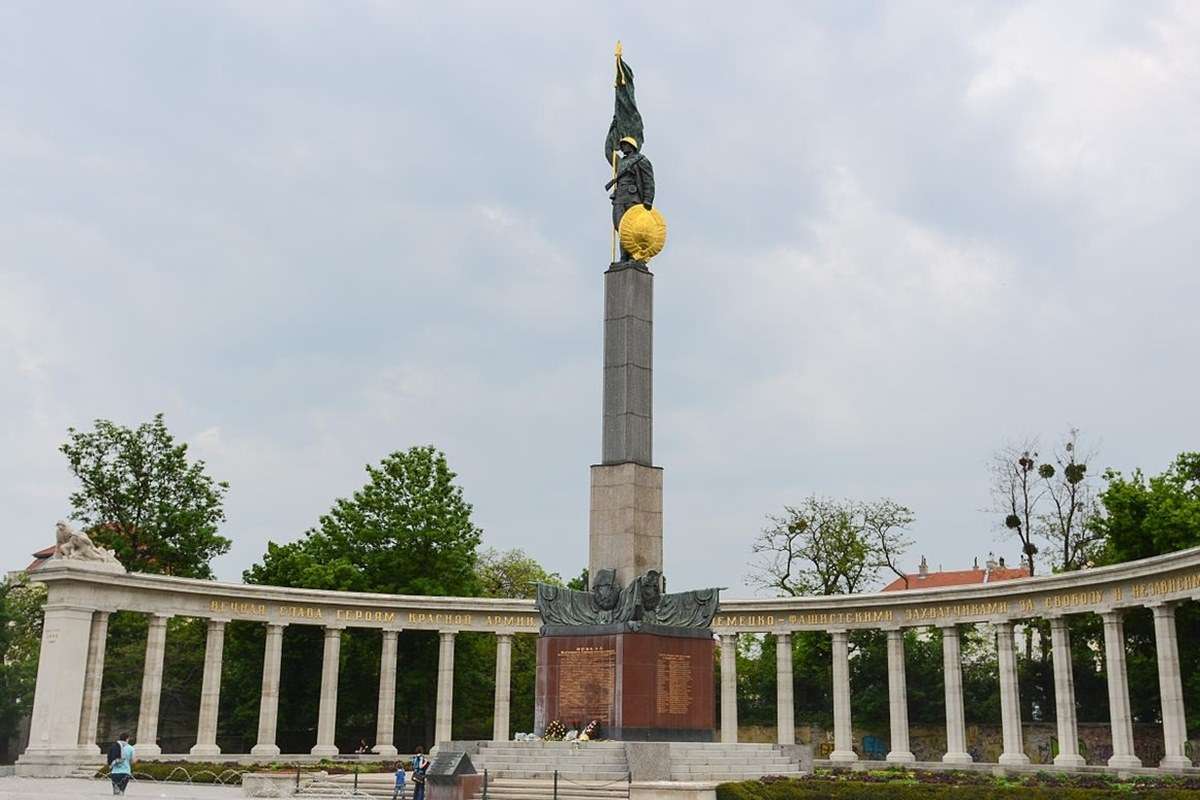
x=901, y=234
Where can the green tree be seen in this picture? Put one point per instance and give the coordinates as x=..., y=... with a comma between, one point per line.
x=141, y=496
x=408, y=530
x=20, y=643
x=512, y=573
x=827, y=546
x=1146, y=517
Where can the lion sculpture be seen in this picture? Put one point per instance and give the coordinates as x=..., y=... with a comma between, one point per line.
x=73, y=545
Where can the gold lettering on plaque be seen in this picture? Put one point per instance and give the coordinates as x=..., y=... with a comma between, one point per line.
x=586, y=676
x=673, y=689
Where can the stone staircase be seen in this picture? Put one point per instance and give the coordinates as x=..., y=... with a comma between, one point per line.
x=694, y=761
x=373, y=784
x=593, y=762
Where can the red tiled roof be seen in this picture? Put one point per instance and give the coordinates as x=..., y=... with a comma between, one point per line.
x=40, y=557
x=957, y=577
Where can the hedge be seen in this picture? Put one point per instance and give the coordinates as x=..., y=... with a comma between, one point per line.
x=959, y=786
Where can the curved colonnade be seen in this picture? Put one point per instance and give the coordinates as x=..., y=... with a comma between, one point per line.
x=80, y=600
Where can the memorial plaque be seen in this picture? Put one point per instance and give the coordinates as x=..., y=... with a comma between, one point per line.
x=586, y=677
x=673, y=693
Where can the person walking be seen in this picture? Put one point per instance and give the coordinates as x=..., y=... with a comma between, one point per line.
x=398, y=792
x=420, y=765
x=120, y=763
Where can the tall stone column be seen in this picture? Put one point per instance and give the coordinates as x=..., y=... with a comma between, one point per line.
x=385, y=715
x=729, y=712
x=626, y=495
x=210, y=690
x=785, y=719
x=1118, y=692
x=327, y=714
x=1010, y=697
x=900, y=752
x=956, y=728
x=58, y=694
x=1064, y=695
x=500, y=713
x=445, y=688
x=156, y=649
x=90, y=714
x=843, y=737
x=1170, y=687
x=268, y=704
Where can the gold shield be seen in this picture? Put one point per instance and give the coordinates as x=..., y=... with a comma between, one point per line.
x=643, y=233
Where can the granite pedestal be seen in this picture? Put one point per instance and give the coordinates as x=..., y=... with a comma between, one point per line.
x=655, y=684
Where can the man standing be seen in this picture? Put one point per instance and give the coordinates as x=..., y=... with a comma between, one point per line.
x=633, y=184
x=120, y=763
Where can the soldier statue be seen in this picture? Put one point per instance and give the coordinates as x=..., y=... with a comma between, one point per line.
x=633, y=184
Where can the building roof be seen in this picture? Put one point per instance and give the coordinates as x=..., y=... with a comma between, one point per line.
x=957, y=577
x=41, y=557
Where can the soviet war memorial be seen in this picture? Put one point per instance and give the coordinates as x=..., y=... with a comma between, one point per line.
x=796, y=540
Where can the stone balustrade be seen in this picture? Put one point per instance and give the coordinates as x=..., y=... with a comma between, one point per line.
x=80, y=601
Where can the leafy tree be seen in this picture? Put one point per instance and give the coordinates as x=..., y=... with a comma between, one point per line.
x=20, y=643
x=827, y=546
x=1148, y=517
x=408, y=530
x=511, y=574
x=141, y=496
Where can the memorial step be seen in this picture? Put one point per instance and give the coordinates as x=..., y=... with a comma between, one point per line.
x=509, y=789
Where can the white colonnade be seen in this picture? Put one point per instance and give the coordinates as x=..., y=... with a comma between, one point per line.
x=80, y=603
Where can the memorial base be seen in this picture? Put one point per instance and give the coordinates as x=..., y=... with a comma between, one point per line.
x=654, y=684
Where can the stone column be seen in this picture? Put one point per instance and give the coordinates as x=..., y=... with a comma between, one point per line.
x=156, y=649
x=1064, y=695
x=785, y=719
x=1118, y=692
x=210, y=690
x=327, y=714
x=956, y=728
x=898, y=699
x=500, y=714
x=442, y=728
x=90, y=714
x=625, y=521
x=58, y=694
x=385, y=715
x=268, y=704
x=729, y=730
x=1010, y=697
x=1170, y=687
x=843, y=738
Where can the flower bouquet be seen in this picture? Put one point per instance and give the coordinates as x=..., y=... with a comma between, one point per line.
x=555, y=731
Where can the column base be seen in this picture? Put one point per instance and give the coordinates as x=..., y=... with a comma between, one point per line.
x=901, y=757
x=205, y=750
x=1175, y=762
x=145, y=750
x=1013, y=759
x=843, y=756
x=385, y=750
x=957, y=758
x=264, y=750
x=90, y=750
x=1125, y=762
x=1069, y=760
x=324, y=750
x=55, y=763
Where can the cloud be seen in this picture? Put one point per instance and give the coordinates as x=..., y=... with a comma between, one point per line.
x=898, y=238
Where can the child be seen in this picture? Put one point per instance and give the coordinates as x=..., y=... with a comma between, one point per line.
x=398, y=793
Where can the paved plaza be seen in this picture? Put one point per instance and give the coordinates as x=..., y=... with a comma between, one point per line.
x=72, y=788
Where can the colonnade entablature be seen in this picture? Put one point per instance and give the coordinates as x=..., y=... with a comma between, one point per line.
x=81, y=598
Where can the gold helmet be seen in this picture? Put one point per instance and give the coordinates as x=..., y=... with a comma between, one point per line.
x=630, y=140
